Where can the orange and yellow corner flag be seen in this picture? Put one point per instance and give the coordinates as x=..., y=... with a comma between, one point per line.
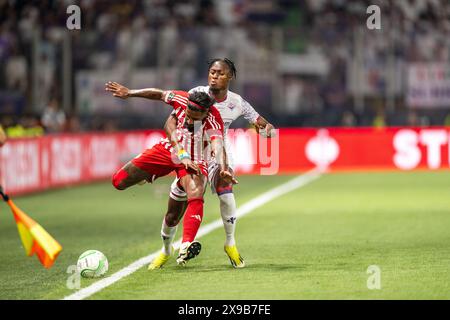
x=34, y=238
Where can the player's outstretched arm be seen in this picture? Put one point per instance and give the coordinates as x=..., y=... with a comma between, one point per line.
x=123, y=92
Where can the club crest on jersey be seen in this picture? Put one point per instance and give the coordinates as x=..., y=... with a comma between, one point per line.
x=170, y=97
x=231, y=106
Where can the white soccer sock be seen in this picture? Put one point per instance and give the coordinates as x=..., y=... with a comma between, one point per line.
x=228, y=213
x=167, y=235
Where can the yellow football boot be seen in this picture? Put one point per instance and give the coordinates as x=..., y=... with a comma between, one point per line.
x=235, y=258
x=159, y=261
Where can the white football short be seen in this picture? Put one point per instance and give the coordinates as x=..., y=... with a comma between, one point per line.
x=178, y=194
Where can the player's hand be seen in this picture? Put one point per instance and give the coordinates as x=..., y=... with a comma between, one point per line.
x=117, y=89
x=269, y=130
x=228, y=177
x=189, y=164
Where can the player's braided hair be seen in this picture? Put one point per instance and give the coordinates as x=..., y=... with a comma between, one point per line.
x=202, y=99
x=228, y=62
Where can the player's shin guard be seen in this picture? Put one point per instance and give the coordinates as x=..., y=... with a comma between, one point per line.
x=228, y=213
x=192, y=219
x=167, y=235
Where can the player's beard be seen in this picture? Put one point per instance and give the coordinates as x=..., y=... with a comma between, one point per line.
x=214, y=91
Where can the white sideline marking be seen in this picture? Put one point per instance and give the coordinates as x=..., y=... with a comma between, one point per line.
x=246, y=208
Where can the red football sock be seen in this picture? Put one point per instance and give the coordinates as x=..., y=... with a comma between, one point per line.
x=192, y=219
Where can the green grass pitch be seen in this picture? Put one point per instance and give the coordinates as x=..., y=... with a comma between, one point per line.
x=315, y=242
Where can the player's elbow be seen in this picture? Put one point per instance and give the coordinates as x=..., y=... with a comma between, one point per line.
x=167, y=129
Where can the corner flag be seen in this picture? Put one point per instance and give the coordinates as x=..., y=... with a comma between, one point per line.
x=34, y=238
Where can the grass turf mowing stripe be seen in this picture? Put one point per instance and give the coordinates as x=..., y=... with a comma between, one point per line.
x=246, y=208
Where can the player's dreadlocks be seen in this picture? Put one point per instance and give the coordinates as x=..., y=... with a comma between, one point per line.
x=200, y=101
x=228, y=62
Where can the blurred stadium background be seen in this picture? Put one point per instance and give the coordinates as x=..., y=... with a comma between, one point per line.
x=343, y=96
x=301, y=63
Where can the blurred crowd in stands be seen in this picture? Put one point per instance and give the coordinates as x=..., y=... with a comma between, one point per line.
x=184, y=35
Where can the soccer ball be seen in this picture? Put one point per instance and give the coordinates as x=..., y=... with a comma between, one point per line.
x=92, y=264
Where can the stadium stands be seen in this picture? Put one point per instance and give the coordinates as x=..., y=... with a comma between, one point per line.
x=302, y=63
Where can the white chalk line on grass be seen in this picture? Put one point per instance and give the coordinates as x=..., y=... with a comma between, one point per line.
x=244, y=209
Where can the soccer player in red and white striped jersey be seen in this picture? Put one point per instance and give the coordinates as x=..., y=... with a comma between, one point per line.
x=199, y=125
x=212, y=128
x=231, y=106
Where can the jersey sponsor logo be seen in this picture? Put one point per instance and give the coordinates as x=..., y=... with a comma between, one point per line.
x=197, y=216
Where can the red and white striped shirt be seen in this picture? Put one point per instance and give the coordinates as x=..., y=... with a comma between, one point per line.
x=196, y=141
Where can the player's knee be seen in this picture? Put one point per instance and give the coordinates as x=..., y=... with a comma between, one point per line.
x=118, y=179
x=195, y=192
x=172, y=219
x=175, y=210
x=193, y=186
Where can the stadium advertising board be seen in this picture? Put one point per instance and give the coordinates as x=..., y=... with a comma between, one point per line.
x=365, y=149
x=35, y=164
